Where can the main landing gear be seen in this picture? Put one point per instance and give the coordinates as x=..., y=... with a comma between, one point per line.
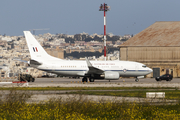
x=91, y=79
x=86, y=80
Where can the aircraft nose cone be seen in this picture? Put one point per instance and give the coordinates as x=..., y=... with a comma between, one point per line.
x=150, y=70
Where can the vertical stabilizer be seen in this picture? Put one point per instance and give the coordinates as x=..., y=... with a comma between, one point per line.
x=36, y=50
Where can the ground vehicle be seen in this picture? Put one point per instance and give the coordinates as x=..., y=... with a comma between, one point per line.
x=166, y=77
x=26, y=77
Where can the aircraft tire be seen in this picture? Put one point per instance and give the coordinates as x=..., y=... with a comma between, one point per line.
x=91, y=79
x=137, y=80
x=84, y=79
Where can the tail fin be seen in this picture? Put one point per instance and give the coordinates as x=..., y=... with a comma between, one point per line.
x=36, y=50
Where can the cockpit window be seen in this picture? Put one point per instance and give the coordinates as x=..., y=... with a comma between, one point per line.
x=144, y=66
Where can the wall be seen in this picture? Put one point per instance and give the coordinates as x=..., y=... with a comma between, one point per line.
x=154, y=57
x=150, y=54
x=56, y=53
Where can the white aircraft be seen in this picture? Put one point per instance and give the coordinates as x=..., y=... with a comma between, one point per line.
x=108, y=70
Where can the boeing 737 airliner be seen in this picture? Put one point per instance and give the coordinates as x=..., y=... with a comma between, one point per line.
x=108, y=70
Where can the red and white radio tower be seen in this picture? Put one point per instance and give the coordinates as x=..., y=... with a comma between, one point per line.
x=104, y=8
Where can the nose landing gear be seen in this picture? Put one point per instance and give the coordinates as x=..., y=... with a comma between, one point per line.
x=137, y=80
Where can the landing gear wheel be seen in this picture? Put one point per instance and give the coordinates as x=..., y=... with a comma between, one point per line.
x=91, y=79
x=84, y=79
x=137, y=80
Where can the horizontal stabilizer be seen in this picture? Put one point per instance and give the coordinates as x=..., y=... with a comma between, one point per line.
x=20, y=60
x=34, y=62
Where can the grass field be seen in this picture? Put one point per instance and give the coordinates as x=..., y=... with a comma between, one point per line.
x=14, y=106
x=170, y=93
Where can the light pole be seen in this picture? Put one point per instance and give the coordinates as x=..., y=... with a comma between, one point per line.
x=104, y=8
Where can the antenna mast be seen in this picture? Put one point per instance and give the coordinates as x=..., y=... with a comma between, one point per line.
x=104, y=8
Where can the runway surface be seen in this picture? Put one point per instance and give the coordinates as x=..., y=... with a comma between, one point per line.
x=123, y=82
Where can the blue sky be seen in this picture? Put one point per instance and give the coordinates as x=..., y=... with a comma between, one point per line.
x=77, y=16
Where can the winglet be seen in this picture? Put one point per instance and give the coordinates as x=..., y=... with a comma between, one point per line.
x=88, y=63
x=93, y=70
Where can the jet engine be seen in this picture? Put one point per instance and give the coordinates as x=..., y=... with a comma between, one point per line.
x=108, y=75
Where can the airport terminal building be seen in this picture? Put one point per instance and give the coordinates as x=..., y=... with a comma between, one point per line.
x=158, y=46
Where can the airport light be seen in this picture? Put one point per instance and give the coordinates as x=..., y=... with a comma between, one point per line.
x=104, y=8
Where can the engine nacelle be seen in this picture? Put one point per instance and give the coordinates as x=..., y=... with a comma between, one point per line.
x=140, y=77
x=108, y=75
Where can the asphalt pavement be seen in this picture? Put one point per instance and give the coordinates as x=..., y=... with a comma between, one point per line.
x=122, y=82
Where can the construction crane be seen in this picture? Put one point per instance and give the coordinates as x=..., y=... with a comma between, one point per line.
x=38, y=29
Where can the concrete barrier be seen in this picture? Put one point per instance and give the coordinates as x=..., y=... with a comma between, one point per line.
x=155, y=94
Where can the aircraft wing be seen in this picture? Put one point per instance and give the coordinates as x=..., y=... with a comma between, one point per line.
x=93, y=70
